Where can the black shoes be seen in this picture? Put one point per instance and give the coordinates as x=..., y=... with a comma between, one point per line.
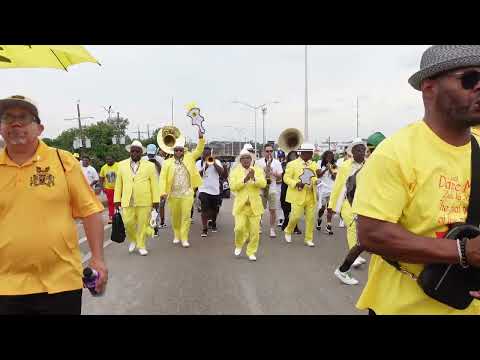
x=204, y=233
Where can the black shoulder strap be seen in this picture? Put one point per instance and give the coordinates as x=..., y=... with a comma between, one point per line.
x=474, y=201
x=61, y=162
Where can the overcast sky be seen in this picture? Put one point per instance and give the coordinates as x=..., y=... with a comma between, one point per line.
x=139, y=82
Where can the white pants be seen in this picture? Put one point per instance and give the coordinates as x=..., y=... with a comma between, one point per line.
x=280, y=215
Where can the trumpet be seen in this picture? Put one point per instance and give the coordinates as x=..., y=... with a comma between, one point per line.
x=211, y=159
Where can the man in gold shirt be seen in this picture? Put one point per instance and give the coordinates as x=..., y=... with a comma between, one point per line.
x=178, y=180
x=43, y=191
x=303, y=197
x=416, y=185
x=247, y=180
x=136, y=191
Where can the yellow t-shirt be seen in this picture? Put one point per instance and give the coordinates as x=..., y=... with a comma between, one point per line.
x=110, y=174
x=39, y=249
x=419, y=181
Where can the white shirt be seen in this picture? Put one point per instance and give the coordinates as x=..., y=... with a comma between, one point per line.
x=158, y=158
x=90, y=174
x=211, y=179
x=325, y=183
x=276, y=166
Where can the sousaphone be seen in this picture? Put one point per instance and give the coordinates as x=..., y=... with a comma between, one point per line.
x=168, y=137
x=290, y=140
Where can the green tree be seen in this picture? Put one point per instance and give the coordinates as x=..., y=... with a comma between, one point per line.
x=100, y=135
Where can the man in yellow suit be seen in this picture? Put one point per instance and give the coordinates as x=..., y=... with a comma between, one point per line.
x=178, y=180
x=302, y=196
x=136, y=191
x=340, y=205
x=246, y=181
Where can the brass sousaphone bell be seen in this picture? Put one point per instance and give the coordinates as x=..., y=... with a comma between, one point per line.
x=290, y=140
x=168, y=137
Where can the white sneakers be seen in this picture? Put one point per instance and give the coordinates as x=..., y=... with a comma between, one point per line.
x=341, y=224
x=272, y=233
x=288, y=238
x=132, y=247
x=359, y=261
x=310, y=243
x=176, y=241
x=345, y=277
x=185, y=244
x=237, y=251
x=252, y=258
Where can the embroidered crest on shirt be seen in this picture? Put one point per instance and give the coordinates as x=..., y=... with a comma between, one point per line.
x=42, y=177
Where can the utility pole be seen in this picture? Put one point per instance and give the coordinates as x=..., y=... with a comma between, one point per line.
x=172, y=110
x=148, y=131
x=264, y=111
x=306, y=96
x=79, y=118
x=357, y=116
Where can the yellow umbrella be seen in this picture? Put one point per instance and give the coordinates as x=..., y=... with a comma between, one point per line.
x=43, y=56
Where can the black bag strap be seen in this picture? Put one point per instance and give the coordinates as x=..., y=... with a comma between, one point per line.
x=474, y=201
x=473, y=212
x=61, y=162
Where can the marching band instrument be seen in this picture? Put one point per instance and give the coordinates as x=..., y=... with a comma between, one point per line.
x=168, y=137
x=268, y=168
x=290, y=140
x=210, y=159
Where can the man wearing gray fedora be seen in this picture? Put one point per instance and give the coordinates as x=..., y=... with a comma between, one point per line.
x=416, y=185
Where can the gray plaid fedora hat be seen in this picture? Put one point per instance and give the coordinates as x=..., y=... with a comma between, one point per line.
x=440, y=58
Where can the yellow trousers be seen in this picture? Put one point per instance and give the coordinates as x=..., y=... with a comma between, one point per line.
x=308, y=208
x=180, y=209
x=247, y=225
x=137, y=224
x=350, y=224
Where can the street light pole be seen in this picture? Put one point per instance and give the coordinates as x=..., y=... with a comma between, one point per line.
x=306, y=95
x=255, y=108
x=264, y=111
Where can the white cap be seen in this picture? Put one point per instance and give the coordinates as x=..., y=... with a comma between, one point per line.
x=135, y=143
x=306, y=148
x=248, y=147
x=245, y=152
x=355, y=142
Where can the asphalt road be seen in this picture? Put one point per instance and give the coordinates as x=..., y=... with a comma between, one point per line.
x=208, y=279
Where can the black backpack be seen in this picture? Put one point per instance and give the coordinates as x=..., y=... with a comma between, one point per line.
x=352, y=186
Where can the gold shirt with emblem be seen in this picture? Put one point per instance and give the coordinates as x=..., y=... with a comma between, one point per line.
x=39, y=250
x=181, y=181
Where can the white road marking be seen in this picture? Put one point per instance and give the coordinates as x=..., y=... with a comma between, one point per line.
x=105, y=244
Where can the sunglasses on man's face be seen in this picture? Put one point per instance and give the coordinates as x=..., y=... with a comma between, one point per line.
x=268, y=151
x=469, y=79
x=178, y=150
x=24, y=119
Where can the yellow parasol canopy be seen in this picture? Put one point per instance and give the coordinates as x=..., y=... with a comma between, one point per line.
x=43, y=56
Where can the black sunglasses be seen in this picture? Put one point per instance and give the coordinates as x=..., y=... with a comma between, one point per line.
x=469, y=79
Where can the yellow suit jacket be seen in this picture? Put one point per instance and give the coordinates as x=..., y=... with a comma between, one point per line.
x=292, y=175
x=144, y=185
x=189, y=159
x=249, y=191
x=336, y=198
x=476, y=130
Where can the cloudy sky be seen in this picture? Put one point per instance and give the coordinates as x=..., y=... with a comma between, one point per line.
x=140, y=81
